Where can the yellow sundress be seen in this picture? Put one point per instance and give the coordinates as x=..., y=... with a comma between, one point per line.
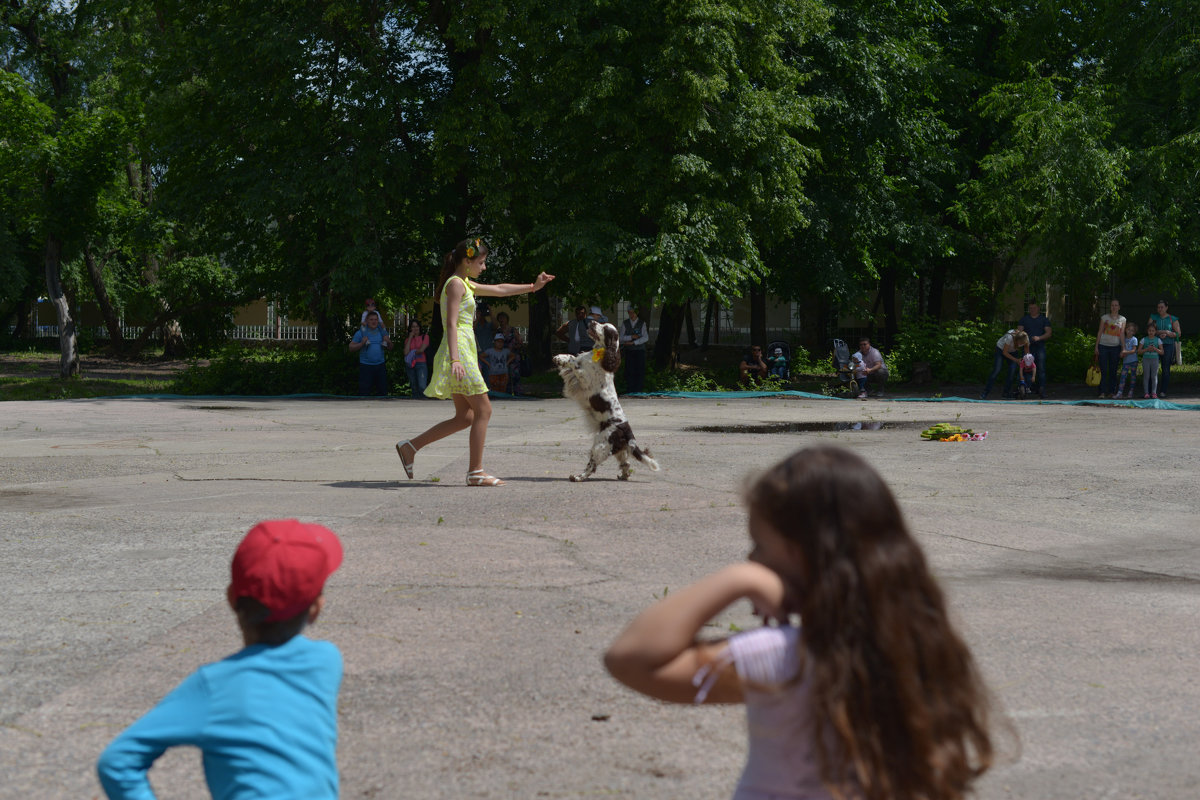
x=442, y=383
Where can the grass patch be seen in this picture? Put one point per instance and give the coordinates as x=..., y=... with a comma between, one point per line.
x=76, y=388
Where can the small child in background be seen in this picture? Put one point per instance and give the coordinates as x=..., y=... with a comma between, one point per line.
x=874, y=694
x=777, y=363
x=498, y=358
x=859, y=368
x=1150, y=349
x=1129, y=359
x=265, y=718
x=1026, y=373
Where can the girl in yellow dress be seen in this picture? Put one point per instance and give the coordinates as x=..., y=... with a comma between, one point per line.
x=456, y=373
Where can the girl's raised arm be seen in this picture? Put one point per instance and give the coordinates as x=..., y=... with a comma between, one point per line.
x=659, y=655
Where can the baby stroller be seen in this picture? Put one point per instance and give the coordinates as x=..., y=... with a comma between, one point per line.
x=843, y=367
x=786, y=351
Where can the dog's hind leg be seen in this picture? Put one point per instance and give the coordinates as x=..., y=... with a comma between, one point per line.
x=600, y=453
x=626, y=468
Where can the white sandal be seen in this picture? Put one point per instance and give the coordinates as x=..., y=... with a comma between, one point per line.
x=408, y=465
x=478, y=477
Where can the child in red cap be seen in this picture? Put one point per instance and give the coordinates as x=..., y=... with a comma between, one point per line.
x=265, y=718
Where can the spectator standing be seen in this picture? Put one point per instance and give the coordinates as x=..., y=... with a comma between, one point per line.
x=371, y=343
x=514, y=343
x=1038, y=328
x=1129, y=361
x=574, y=332
x=752, y=367
x=875, y=371
x=634, y=335
x=1006, y=347
x=1150, y=349
x=1108, y=347
x=595, y=313
x=416, y=364
x=499, y=358
x=1168, y=330
x=265, y=718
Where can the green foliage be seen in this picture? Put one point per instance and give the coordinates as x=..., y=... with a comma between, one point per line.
x=681, y=381
x=1069, y=353
x=240, y=370
x=955, y=351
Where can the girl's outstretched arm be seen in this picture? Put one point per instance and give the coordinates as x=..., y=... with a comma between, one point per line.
x=510, y=289
x=658, y=654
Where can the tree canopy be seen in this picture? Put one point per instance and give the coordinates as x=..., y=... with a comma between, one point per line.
x=171, y=160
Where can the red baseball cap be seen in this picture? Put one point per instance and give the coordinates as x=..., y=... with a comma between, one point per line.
x=283, y=564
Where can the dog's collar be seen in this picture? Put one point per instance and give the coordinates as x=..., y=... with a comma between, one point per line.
x=597, y=353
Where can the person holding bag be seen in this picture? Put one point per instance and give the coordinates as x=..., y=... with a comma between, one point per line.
x=1108, y=348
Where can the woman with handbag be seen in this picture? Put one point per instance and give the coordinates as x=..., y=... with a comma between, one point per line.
x=1108, y=348
x=1168, y=330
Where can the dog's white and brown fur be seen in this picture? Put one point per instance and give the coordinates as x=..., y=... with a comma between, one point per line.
x=588, y=379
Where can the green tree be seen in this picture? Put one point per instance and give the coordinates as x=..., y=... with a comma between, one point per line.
x=644, y=150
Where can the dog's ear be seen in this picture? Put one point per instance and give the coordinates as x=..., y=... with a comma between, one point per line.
x=612, y=351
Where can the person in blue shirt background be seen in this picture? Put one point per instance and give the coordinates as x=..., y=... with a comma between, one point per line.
x=371, y=343
x=265, y=718
x=1038, y=327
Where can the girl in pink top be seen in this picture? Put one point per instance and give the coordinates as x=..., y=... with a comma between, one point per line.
x=415, y=362
x=874, y=696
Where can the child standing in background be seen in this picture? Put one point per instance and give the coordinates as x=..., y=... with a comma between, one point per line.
x=1150, y=349
x=874, y=695
x=1129, y=358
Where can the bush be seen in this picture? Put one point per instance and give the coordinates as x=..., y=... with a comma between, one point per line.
x=1069, y=353
x=956, y=351
x=240, y=370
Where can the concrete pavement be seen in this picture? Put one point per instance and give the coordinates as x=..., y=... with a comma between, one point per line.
x=472, y=620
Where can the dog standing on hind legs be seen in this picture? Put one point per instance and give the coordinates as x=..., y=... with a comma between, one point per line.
x=588, y=380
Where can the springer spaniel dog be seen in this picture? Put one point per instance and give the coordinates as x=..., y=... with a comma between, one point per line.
x=588, y=379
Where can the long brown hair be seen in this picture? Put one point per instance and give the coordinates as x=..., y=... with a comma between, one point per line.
x=900, y=708
x=467, y=248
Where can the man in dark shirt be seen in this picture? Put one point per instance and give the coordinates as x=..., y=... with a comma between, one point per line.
x=1037, y=325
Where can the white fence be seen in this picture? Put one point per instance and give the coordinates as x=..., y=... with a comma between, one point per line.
x=238, y=332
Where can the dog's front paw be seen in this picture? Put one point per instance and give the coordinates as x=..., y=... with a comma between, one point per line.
x=561, y=360
x=577, y=478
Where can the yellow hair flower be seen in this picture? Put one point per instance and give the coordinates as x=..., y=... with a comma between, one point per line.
x=597, y=353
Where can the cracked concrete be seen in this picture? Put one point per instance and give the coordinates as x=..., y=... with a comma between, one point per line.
x=472, y=621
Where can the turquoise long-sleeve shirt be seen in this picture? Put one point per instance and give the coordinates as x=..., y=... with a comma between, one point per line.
x=265, y=720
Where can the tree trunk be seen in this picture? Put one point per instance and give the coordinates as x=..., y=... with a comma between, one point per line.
x=691, y=325
x=937, y=291
x=540, y=330
x=666, y=350
x=172, y=339
x=758, y=316
x=887, y=293
x=68, y=345
x=111, y=321
x=709, y=309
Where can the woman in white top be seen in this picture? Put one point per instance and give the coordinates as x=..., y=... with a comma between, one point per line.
x=1108, y=348
x=874, y=696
